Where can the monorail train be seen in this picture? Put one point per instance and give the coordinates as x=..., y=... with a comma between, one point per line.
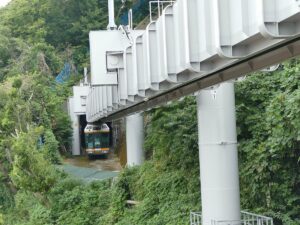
x=97, y=139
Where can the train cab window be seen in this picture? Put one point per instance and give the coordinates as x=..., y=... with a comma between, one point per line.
x=105, y=140
x=97, y=140
x=89, y=140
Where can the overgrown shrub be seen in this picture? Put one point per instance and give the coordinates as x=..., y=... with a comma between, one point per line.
x=50, y=148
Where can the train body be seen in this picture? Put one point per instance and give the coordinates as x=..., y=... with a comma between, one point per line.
x=97, y=139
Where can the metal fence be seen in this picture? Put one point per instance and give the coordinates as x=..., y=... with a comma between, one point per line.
x=195, y=218
x=246, y=219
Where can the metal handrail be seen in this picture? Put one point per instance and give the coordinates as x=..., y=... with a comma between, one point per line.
x=246, y=219
x=195, y=218
x=160, y=7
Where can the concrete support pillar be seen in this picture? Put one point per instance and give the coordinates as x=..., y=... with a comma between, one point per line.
x=135, y=139
x=218, y=155
x=75, y=126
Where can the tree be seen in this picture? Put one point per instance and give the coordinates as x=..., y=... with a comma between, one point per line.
x=268, y=123
x=50, y=147
x=31, y=171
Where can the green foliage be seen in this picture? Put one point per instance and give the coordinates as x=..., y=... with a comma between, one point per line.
x=50, y=148
x=268, y=123
x=31, y=171
x=17, y=83
x=63, y=25
x=37, y=101
x=10, y=50
x=79, y=204
x=28, y=211
x=30, y=99
x=172, y=135
x=6, y=198
x=164, y=199
x=27, y=14
x=62, y=130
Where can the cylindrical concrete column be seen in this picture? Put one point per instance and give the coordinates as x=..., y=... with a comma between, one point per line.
x=218, y=155
x=135, y=139
x=75, y=126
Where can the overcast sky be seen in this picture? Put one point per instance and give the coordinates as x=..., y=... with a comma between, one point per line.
x=4, y=2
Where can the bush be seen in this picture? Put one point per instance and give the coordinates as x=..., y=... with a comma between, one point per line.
x=79, y=204
x=31, y=171
x=50, y=148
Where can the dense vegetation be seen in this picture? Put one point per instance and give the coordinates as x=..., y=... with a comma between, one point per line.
x=36, y=38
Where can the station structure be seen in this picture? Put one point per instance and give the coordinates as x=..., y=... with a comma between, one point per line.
x=189, y=47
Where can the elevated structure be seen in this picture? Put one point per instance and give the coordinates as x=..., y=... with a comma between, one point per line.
x=77, y=108
x=192, y=45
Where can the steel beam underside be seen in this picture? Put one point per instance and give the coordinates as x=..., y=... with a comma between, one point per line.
x=280, y=52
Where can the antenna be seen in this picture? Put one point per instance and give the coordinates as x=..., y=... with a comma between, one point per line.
x=111, y=15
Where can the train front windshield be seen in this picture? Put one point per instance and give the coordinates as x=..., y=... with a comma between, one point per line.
x=89, y=140
x=104, y=140
x=97, y=140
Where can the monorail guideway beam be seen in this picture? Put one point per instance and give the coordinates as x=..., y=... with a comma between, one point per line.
x=192, y=45
x=218, y=155
x=135, y=139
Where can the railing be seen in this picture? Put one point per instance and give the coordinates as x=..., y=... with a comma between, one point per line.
x=246, y=219
x=256, y=219
x=158, y=5
x=195, y=218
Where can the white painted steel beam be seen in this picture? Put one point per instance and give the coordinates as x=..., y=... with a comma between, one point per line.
x=237, y=69
x=101, y=44
x=194, y=43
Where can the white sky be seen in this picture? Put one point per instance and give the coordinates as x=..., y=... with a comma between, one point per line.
x=4, y=2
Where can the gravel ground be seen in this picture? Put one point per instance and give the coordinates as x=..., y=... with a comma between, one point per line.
x=98, y=168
